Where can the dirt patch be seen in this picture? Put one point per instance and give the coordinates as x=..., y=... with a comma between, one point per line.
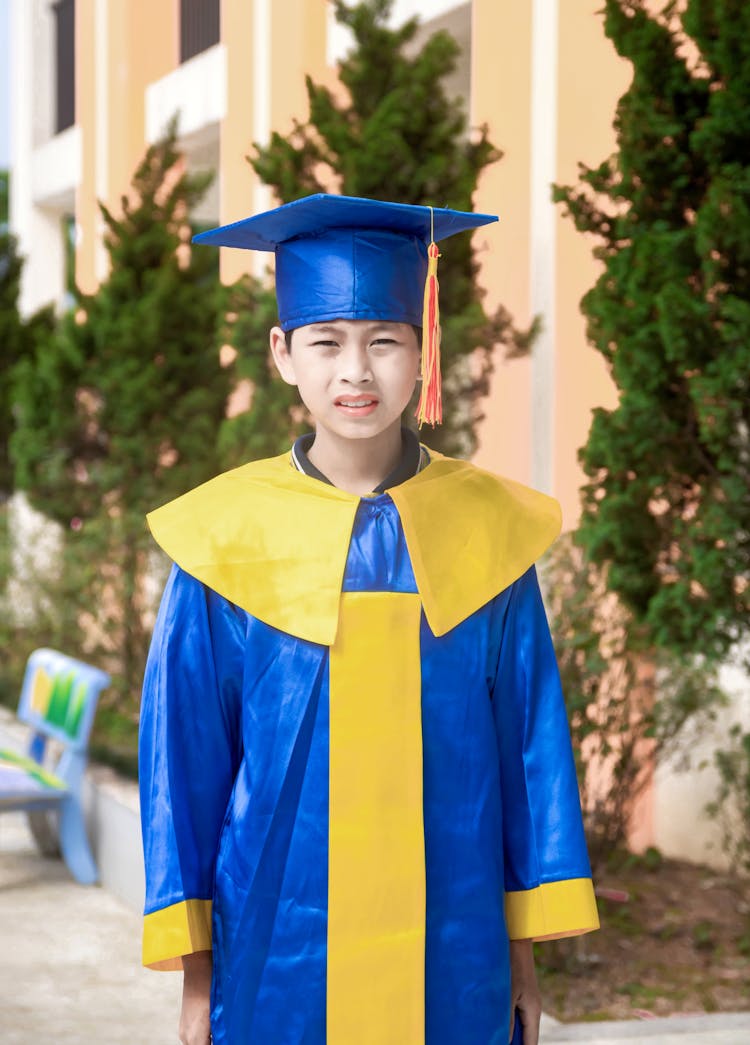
x=675, y=938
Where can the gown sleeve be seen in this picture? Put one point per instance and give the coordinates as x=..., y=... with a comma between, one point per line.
x=548, y=887
x=189, y=753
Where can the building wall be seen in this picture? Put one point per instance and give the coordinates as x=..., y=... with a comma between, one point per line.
x=688, y=778
x=547, y=109
x=591, y=78
x=120, y=49
x=44, y=168
x=501, y=53
x=90, y=112
x=270, y=49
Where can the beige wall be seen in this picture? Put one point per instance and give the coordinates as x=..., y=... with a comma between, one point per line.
x=265, y=92
x=236, y=134
x=120, y=48
x=590, y=78
x=144, y=45
x=501, y=98
x=86, y=209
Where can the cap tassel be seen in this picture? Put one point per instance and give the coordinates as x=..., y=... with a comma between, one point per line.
x=430, y=406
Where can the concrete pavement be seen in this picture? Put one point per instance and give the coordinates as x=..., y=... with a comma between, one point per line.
x=714, y=1029
x=70, y=970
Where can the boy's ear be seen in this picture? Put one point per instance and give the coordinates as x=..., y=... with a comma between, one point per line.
x=282, y=356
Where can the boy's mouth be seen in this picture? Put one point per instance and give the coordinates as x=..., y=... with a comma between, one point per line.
x=356, y=406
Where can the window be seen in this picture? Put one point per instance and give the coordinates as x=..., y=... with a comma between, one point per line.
x=199, y=26
x=64, y=12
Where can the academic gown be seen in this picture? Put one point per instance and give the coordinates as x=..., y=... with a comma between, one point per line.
x=356, y=774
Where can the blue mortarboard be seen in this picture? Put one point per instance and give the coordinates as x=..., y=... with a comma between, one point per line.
x=343, y=257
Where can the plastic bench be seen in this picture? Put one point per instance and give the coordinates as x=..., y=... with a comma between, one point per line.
x=58, y=701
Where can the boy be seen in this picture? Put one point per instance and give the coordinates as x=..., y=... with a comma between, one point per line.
x=356, y=775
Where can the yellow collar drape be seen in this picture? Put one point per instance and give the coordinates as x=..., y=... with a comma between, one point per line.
x=274, y=541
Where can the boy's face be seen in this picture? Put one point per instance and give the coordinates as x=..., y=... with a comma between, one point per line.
x=355, y=376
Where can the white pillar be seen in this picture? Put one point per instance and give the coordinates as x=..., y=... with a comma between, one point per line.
x=101, y=120
x=21, y=130
x=38, y=228
x=544, y=63
x=262, y=198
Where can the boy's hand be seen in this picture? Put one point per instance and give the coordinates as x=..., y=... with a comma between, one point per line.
x=195, y=1015
x=524, y=991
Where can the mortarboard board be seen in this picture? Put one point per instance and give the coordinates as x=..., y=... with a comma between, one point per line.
x=345, y=257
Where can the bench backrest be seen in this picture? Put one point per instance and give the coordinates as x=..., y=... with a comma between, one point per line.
x=59, y=696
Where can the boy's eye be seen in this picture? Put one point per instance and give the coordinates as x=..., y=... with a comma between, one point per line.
x=325, y=344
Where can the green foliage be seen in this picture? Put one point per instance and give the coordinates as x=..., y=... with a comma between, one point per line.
x=275, y=417
x=651, y=859
x=8, y=683
x=120, y=411
x=624, y=708
x=43, y=603
x=399, y=136
x=126, y=402
x=38, y=593
x=17, y=340
x=4, y=193
x=667, y=503
x=12, y=343
x=703, y=937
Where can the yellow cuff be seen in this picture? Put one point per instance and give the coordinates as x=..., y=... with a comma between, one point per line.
x=181, y=928
x=552, y=910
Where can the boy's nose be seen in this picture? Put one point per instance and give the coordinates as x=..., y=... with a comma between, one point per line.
x=355, y=367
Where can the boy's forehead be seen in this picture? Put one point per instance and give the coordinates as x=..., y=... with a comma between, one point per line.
x=366, y=325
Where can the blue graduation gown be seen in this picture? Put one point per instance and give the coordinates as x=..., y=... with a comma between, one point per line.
x=357, y=821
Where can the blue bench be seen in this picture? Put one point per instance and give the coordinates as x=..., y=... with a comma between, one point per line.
x=58, y=702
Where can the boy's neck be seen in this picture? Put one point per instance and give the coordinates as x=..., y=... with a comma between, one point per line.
x=356, y=465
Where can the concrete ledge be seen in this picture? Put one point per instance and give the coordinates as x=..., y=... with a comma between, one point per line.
x=725, y=1028
x=113, y=817
x=56, y=170
x=196, y=91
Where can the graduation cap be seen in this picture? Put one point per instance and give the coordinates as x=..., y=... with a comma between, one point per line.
x=345, y=257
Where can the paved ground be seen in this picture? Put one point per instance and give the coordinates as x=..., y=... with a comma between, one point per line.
x=70, y=972
x=723, y=1029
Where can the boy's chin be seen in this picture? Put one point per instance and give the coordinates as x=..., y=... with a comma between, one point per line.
x=357, y=429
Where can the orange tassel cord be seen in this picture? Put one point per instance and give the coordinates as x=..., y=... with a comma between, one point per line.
x=430, y=406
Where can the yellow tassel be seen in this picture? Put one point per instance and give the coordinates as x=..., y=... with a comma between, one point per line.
x=430, y=407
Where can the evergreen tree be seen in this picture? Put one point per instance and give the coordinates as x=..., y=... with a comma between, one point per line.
x=17, y=338
x=121, y=411
x=667, y=503
x=399, y=136
x=275, y=416
x=4, y=193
